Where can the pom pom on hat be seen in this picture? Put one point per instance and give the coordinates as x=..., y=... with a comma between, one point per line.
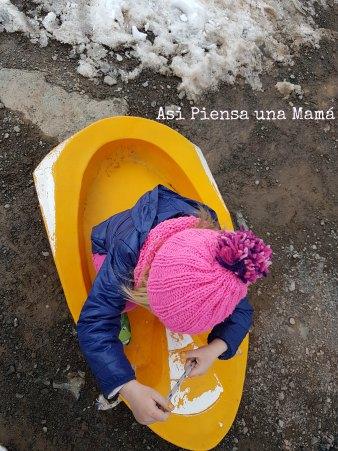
x=243, y=253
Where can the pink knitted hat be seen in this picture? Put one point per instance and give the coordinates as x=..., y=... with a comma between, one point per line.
x=198, y=276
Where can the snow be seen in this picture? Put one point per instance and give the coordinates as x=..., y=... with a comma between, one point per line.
x=177, y=341
x=203, y=42
x=286, y=88
x=14, y=20
x=86, y=69
x=183, y=403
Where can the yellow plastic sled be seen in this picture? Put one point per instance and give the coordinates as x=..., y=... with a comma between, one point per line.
x=119, y=159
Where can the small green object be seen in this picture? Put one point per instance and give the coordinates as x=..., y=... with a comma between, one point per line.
x=125, y=332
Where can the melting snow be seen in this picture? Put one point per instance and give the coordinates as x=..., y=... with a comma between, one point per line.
x=182, y=400
x=203, y=42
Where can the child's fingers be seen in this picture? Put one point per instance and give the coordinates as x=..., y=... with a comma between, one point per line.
x=162, y=402
x=191, y=359
x=197, y=371
x=159, y=415
x=190, y=355
x=194, y=373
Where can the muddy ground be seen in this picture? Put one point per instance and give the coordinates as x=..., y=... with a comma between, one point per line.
x=279, y=174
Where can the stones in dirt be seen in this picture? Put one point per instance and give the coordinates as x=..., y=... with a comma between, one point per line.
x=10, y=370
x=109, y=80
x=292, y=285
x=172, y=109
x=75, y=383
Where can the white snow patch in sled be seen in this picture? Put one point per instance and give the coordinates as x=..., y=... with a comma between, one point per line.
x=183, y=405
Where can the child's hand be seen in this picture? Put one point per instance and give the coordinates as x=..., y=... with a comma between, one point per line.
x=147, y=405
x=205, y=356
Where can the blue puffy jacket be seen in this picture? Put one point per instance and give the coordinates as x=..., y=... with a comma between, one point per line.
x=121, y=238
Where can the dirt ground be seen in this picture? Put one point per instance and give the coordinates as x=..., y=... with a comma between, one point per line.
x=281, y=175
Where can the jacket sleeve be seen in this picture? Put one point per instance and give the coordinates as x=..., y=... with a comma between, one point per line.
x=234, y=328
x=99, y=325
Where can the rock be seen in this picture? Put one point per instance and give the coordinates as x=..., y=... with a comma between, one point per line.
x=153, y=104
x=16, y=322
x=45, y=253
x=257, y=182
x=172, y=109
x=6, y=206
x=17, y=128
x=44, y=429
x=292, y=285
x=119, y=57
x=74, y=385
x=245, y=430
x=145, y=84
x=281, y=396
x=292, y=321
x=109, y=80
x=280, y=423
x=11, y=370
x=6, y=135
x=241, y=222
x=64, y=113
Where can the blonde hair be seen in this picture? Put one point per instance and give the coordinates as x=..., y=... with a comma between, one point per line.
x=139, y=295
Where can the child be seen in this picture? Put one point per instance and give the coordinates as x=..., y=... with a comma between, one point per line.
x=168, y=254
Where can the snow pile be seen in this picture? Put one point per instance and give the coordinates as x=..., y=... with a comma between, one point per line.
x=202, y=42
